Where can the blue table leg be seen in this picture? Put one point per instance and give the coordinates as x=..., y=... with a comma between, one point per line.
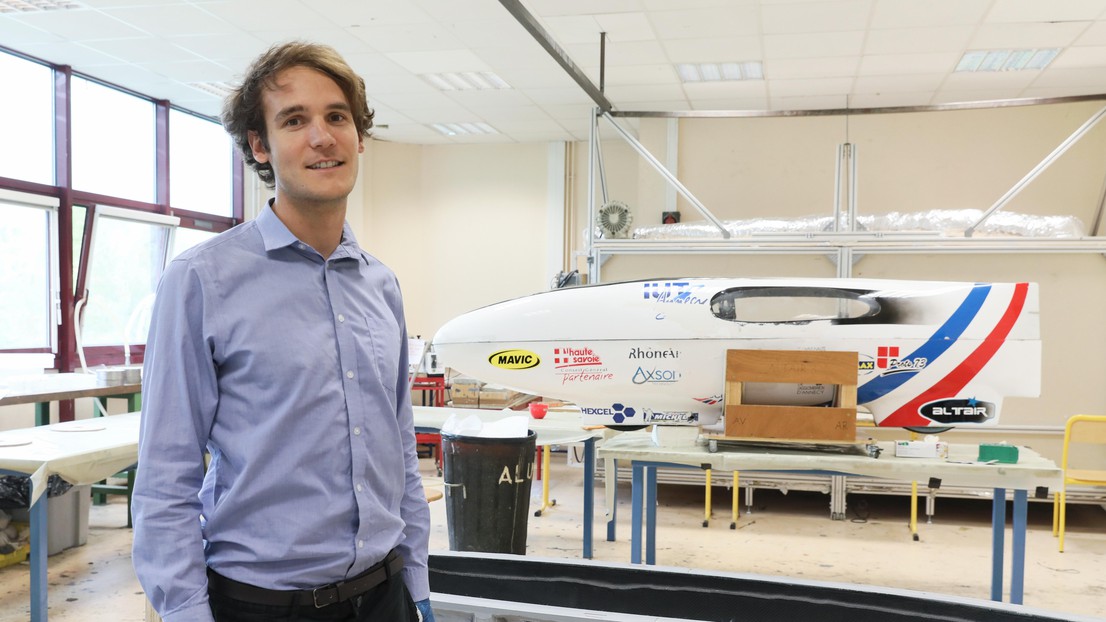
x=635, y=512
x=998, y=534
x=651, y=515
x=589, y=494
x=39, y=529
x=1017, y=570
x=614, y=504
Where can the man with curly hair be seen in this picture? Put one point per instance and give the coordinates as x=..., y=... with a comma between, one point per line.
x=279, y=349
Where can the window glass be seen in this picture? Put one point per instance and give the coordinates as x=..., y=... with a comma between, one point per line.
x=113, y=142
x=200, y=165
x=127, y=259
x=24, y=276
x=792, y=305
x=78, y=237
x=184, y=239
x=29, y=120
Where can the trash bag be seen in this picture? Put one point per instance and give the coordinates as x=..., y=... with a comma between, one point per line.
x=15, y=490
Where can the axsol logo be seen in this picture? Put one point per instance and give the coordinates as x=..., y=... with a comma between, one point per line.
x=514, y=359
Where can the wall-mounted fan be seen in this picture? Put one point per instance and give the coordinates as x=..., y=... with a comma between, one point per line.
x=614, y=219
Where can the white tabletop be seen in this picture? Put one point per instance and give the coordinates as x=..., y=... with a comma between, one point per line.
x=558, y=427
x=81, y=452
x=961, y=467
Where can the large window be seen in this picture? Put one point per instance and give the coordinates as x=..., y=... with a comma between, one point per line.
x=28, y=143
x=113, y=142
x=26, y=260
x=128, y=253
x=93, y=244
x=199, y=165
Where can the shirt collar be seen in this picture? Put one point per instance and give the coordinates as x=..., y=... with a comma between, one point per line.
x=276, y=235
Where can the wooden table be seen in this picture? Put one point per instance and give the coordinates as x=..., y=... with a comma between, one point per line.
x=1032, y=471
x=42, y=389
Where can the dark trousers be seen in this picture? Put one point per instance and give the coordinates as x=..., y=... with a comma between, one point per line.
x=387, y=602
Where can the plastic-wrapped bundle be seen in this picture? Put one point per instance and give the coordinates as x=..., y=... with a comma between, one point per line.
x=950, y=223
x=15, y=490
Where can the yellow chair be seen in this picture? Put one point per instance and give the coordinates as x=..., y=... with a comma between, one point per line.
x=1083, y=462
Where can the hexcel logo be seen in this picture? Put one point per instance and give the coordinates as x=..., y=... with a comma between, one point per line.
x=514, y=359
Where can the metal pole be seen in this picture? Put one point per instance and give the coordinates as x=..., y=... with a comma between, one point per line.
x=837, y=188
x=851, y=151
x=1037, y=170
x=644, y=153
x=593, y=254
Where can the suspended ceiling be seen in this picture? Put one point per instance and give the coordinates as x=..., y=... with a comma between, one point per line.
x=826, y=54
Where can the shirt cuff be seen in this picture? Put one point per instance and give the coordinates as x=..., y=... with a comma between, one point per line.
x=418, y=582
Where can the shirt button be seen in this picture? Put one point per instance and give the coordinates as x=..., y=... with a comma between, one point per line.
x=357, y=431
x=360, y=544
x=341, y=318
x=359, y=488
x=349, y=374
x=302, y=247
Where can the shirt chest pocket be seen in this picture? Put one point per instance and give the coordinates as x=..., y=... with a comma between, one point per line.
x=378, y=349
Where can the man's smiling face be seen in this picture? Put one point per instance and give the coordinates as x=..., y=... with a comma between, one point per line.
x=313, y=143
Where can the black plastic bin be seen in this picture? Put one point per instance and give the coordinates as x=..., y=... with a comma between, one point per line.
x=487, y=492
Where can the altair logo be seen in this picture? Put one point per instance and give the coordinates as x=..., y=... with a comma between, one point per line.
x=514, y=359
x=968, y=410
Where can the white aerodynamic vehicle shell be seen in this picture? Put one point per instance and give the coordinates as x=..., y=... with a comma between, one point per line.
x=931, y=354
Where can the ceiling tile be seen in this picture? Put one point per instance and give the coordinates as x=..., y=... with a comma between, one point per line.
x=1051, y=11
x=627, y=53
x=930, y=13
x=79, y=25
x=172, y=20
x=995, y=36
x=729, y=21
x=642, y=74
x=547, y=8
x=813, y=45
x=622, y=27
x=897, y=83
x=709, y=91
x=1087, y=56
x=77, y=55
x=825, y=67
x=890, y=100
x=15, y=33
x=898, y=64
x=713, y=50
x=918, y=40
x=344, y=13
x=815, y=87
x=1095, y=34
x=812, y=17
x=222, y=47
x=149, y=49
x=569, y=29
x=277, y=15
x=438, y=61
x=808, y=102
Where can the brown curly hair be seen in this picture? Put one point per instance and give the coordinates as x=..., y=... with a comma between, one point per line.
x=242, y=111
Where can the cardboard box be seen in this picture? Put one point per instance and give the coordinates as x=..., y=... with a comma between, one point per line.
x=67, y=522
x=465, y=392
x=835, y=423
x=921, y=449
x=493, y=397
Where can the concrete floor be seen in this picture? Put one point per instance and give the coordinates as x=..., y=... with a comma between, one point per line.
x=785, y=535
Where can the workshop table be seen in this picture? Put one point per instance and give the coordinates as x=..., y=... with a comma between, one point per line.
x=557, y=428
x=80, y=452
x=1031, y=472
x=41, y=389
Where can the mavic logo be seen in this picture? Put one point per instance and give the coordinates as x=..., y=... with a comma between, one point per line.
x=514, y=359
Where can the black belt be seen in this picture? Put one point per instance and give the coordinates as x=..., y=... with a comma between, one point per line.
x=317, y=597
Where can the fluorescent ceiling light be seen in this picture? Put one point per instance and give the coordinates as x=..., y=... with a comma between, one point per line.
x=715, y=72
x=1007, y=60
x=464, y=129
x=466, y=81
x=218, y=89
x=30, y=6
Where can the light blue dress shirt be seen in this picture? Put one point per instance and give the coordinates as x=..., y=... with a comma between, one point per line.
x=291, y=370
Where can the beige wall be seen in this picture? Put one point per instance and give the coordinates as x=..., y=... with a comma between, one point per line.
x=463, y=226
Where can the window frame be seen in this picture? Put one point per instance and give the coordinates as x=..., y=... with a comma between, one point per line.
x=70, y=277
